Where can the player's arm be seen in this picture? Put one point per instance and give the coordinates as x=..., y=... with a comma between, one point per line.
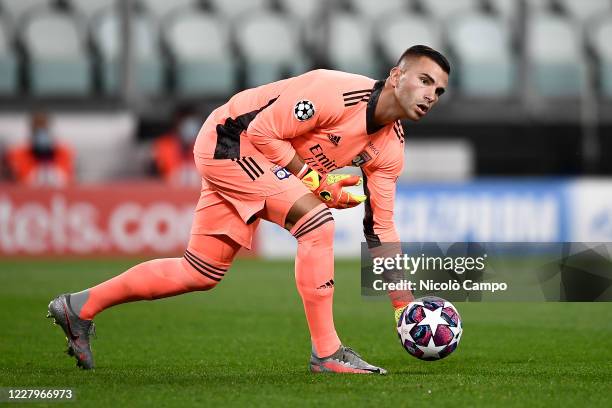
x=308, y=102
x=380, y=184
x=380, y=187
x=311, y=100
x=296, y=164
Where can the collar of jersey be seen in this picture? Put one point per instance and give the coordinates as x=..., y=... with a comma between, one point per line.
x=371, y=125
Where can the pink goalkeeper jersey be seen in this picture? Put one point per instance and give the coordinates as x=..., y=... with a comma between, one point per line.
x=327, y=117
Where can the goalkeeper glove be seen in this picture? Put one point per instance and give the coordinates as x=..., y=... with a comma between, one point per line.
x=398, y=313
x=330, y=188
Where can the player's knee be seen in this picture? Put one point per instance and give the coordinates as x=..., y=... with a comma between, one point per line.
x=318, y=228
x=207, y=273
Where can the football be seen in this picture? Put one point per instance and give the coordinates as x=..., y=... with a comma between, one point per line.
x=429, y=328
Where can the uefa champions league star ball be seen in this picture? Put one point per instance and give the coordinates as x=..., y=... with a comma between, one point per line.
x=429, y=328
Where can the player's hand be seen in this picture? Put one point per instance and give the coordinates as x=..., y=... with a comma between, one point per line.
x=330, y=189
x=398, y=313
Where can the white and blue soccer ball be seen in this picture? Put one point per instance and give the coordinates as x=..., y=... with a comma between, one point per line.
x=430, y=328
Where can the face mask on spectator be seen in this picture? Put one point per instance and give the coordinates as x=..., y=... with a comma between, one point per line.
x=42, y=143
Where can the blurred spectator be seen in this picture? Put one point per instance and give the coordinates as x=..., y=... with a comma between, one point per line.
x=173, y=151
x=42, y=161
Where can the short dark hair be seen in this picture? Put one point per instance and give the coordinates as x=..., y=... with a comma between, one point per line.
x=425, y=51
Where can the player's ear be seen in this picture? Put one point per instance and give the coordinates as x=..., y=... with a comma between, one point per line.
x=394, y=75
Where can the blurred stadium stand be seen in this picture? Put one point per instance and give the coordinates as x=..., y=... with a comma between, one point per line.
x=57, y=59
x=351, y=45
x=8, y=62
x=163, y=8
x=600, y=34
x=531, y=90
x=267, y=59
x=89, y=9
x=486, y=67
x=200, y=67
x=16, y=10
x=446, y=10
x=557, y=67
x=106, y=38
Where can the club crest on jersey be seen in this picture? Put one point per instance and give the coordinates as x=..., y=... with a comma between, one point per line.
x=361, y=159
x=304, y=110
x=281, y=172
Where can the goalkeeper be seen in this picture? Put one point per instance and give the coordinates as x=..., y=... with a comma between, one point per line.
x=262, y=155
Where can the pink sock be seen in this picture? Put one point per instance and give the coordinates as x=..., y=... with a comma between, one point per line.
x=202, y=268
x=314, y=276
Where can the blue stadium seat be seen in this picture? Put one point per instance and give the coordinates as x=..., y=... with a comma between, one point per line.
x=201, y=67
x=15, y=10
x=375, y=9
x=58, y=61
x=89, y=8
x=584, y=10
x=445, y=9
x=309, y=16
x=556, y=57
x=402, y=30
x=505, y=9
x=350, y=46
x=232, y=9
x=106, y=36
x=303, y=10
x=485, y=63
x=538, y=6
x=162, y=8
x=271, y=48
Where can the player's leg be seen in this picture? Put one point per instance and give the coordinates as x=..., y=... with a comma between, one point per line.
x=216, y=233
x=312, y=224
x=204, y=264
x=255, y=186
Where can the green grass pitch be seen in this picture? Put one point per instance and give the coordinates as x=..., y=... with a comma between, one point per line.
x=246, y=344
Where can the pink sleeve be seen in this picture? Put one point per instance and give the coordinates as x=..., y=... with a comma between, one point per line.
x=309, y=101
x=379, y=187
